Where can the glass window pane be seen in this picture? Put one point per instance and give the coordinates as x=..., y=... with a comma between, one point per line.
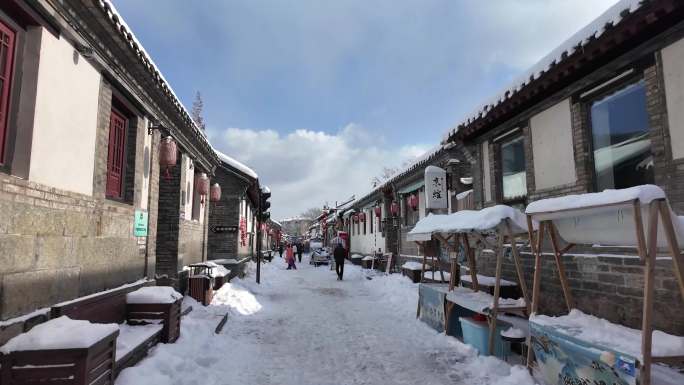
x=622, y=148
x=513, y=169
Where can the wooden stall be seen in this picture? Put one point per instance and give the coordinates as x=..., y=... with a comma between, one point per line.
x=638, y=216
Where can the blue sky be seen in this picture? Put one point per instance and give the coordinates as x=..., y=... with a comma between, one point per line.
x=378, y=81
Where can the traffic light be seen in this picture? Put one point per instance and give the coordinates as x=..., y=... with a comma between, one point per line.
x=264, y=204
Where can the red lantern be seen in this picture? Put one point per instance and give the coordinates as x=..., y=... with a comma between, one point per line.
x=168, y=155
x=378, y=211
x=215, y=193
x=355, y=218
x=413, y=201
x=362, y=216
x=394, y=208
x=202, y=185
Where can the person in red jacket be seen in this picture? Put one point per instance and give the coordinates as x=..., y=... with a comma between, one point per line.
x=289, y=258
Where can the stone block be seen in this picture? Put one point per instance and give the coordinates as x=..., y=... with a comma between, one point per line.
x=52, y=252
x=16, y=252
x=28, y=291
x=80, y=224
x=117, y=225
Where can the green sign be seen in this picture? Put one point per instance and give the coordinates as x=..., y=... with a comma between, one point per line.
x=140, y=227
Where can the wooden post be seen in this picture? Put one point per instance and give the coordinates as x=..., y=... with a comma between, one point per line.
x=536, y=280
x=497, y=289
x=518, y=265
x=422, y=271
x=452, y=278
x=639, y=227
x=561, y=268
x=677, y=259
x=471, y=263
x=647, y=327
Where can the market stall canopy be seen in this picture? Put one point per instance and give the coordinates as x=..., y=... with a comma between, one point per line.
x=605, y=217
x=466, y=221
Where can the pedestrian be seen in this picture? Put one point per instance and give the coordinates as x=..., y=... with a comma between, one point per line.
x=290, y=258
x=300, y=250
x=339, y=253
x=280, y=250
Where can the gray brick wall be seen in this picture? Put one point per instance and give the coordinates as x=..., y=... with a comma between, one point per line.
x=225, y=213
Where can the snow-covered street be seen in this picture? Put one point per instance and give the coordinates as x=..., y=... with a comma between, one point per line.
x=305, y=327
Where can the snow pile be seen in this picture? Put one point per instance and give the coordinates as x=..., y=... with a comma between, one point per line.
x=512, y=332
x=480, y=301
x=602, y=332
x=132, y=336
x=411, y=265
x=645, y=194
x=236, y=164
x=467, y=221
x=237, y=298
x=487, y=280
x=60, y=333
x=153, y=294
x=437, y=276
x=357, y=256
x=367, y=258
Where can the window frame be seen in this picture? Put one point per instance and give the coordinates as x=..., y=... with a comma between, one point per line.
x=597, y=93
x=7, y=93
x=515, y=134
x=123, y=153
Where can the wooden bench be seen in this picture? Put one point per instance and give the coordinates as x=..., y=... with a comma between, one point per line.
x=135, y=339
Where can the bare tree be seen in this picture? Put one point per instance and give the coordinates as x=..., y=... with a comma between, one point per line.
x=311, y=213
x=387, y=172
x=197, y=108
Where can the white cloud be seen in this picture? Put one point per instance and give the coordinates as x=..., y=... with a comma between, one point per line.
x=308, y=168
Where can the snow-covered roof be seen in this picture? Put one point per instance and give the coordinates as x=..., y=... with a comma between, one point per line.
x=266, y=190
x=232, y=162
x=110, y=10
x=608, y=20
x=466, y=221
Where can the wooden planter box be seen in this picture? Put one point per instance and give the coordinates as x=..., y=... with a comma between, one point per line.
x=169, y=313
x=86, y=366
x=356, y=261
x=219, y=281
x=414, y=275
x=201, y=289
x=367, y=263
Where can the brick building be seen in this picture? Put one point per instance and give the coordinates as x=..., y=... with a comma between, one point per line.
x=78, y=162
x=602, y=111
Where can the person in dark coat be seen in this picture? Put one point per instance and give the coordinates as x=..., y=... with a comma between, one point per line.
x=300, y=249
x=280, y=250
x=339, y=253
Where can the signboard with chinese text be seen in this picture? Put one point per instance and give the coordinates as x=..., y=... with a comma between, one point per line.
x=140, y=224
x=435, y=188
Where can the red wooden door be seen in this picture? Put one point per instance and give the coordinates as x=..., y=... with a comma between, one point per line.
x=6, y=67
x=116, y=154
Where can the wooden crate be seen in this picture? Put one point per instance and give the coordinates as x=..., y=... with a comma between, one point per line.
x=414, y=275
x=86, y=366
x=219, y=281
x=169, y=313
x=201, y=289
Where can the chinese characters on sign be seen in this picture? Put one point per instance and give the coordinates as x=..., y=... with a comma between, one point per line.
x=435, y=188
x=243, y=232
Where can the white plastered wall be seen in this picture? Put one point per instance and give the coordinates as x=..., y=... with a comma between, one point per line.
x=368, y=243
x=673, y=72
x=65, y=120
x=552, y=150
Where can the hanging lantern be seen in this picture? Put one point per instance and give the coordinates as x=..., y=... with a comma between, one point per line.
x=394, y=208
x=215, y=193
x=362, y=216
x=413, y=201
x=355, y=218
x=168, y=155
x=378, y=211
x=202, y=185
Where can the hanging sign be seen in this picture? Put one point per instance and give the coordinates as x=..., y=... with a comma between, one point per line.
x=140, y=223
x=435, y=188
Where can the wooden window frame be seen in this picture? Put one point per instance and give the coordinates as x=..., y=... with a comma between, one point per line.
x=6, y=90
x=113, y=153
x=510, y=136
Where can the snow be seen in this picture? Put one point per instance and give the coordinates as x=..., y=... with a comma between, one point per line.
x=25, y=317
x=602, y=332
x=304, y=327
x=645, y=194
x=138, y=282
x=131, y=336
x=357, y=256
x=575, y=43
x=487, y=280
x=367, y=258
x=411, y=265
x=236, y=164
x=464, y=194
x=437, y=276
x=464, y=221
x=153, y=294
x=217, y=270
x=480, y=301
x=59, y=333
x=513, y=332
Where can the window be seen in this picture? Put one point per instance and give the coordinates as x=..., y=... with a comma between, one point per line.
x=372, y=219
x=116, y=154
x=513, y=175
x=7, y=38
x=622, y=147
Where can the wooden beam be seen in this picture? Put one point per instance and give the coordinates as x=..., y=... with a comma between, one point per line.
x=518, y=264
x=471, y=263
x=497, y=291
x=536, y=281
x=560, y=266
x=639, y=227
x=647, y=320
x=677, y=259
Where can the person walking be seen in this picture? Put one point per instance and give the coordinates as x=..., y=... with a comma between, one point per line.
x=290, y=258
x=300, y=250
x=339, y=253
x=280, y=250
